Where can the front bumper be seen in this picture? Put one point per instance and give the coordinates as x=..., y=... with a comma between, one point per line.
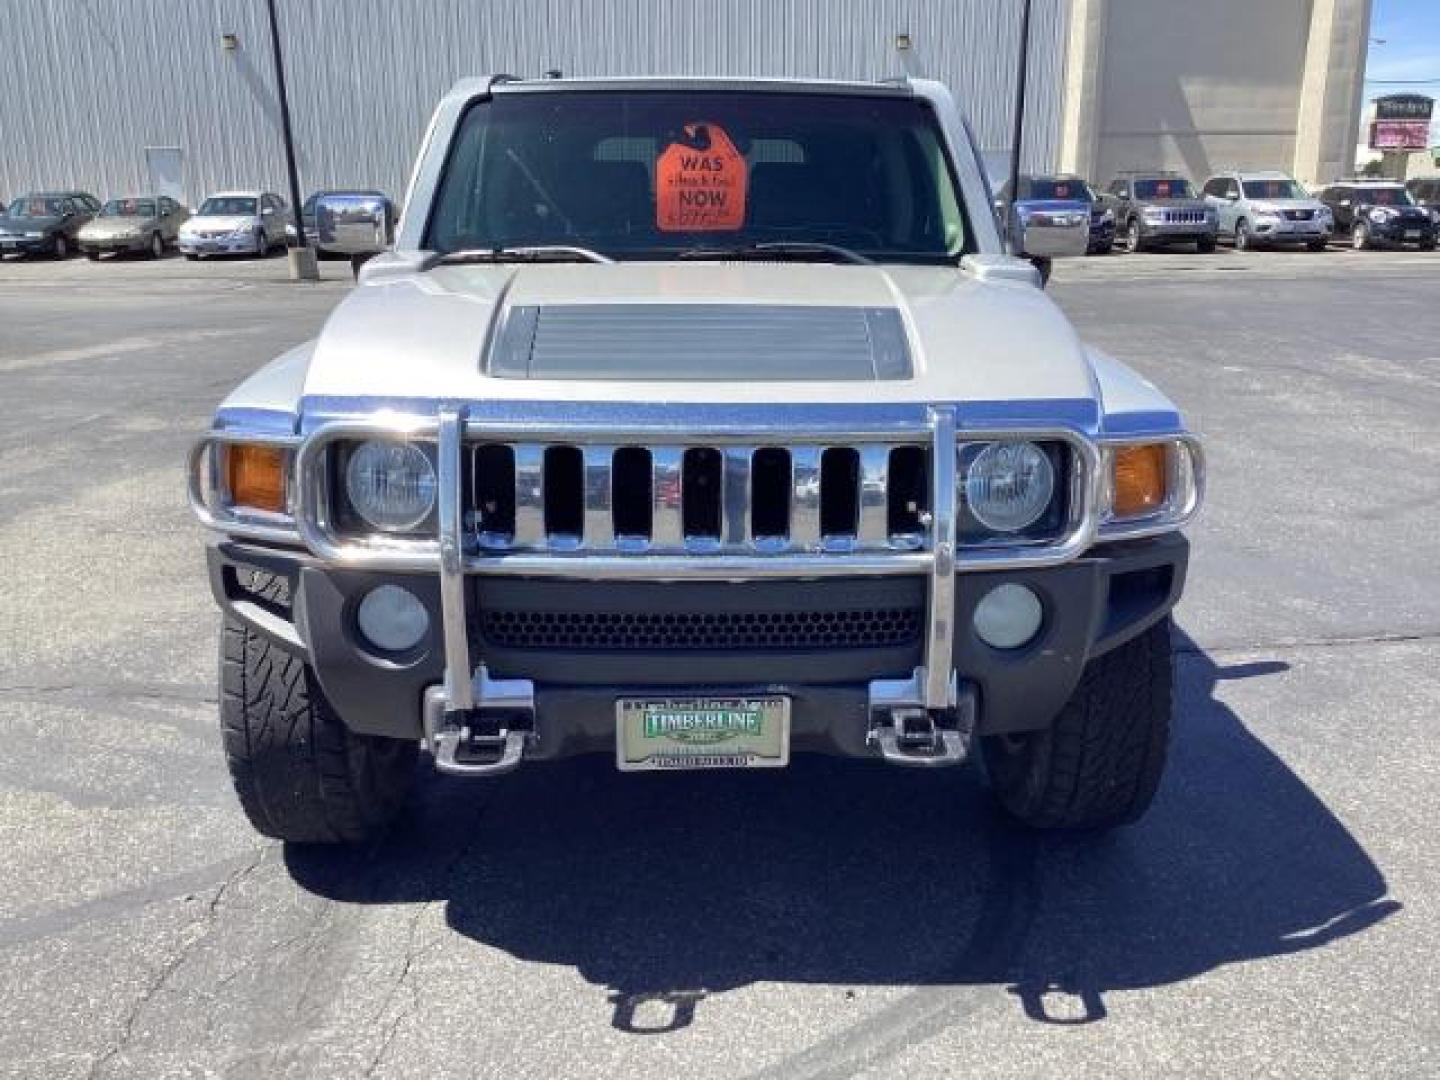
x=1179, y=232
x=16, y=245
x=1285, y=231
x=105, y=244
x=1403, y=232
x=222, y=245
x=1092, y=604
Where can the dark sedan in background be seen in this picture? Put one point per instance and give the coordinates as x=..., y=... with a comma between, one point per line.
x=45, y=222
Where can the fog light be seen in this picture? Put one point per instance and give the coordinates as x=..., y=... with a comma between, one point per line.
x=391, y=619
x=1008, y=616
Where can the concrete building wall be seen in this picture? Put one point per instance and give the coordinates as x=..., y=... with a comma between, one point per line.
x=88, y=84
x=1199, y=87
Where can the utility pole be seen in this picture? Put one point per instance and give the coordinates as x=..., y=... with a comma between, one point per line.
x=303, y=266
x=1022, y=71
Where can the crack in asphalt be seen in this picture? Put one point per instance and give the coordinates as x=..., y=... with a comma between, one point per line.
x=204, y=924
x=1297, y=644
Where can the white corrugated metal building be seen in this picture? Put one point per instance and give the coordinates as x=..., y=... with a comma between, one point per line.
x=115, y=96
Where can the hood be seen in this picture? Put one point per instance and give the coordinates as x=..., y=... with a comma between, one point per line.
x=116, y=226
x=697, y=332
x=220, y=223
x=29, y=224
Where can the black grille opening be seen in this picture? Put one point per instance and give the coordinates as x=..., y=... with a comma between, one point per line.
x=605, y=631
x=701, y=474
x=631, y=491
x=908, y=491
x=494, y=487
x=564, y=491
x=839, y=491
x=770, y=492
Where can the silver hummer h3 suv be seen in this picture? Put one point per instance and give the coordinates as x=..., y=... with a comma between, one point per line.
x=696, y=423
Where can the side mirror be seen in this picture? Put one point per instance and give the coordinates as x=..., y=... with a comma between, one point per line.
x=352, y=224
x=1051, y=234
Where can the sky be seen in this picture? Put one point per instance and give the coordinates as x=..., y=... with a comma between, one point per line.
x=1410, y=31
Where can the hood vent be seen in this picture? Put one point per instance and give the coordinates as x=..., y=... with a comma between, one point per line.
x=692, y=342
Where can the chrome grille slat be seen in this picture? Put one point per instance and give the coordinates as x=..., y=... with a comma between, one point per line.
x=735, y=500
x=874, y=472
x=529, y=495
x=805, y=498
x=667, y=523
x=599, y=501
x=796, y=491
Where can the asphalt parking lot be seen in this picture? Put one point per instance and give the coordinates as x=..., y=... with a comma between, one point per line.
x=1276, y=915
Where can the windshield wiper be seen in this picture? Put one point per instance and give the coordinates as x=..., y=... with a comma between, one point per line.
x=782, y=249
x=532, y=253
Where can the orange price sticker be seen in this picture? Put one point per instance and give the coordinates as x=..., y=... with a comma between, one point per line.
x=700, y=182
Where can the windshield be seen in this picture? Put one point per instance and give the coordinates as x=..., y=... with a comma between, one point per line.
x=36, y=208
x=1164, y=187
x=1385, y=196
x=1274, y=189
x=1042, y=187
x=228, y=206
x=128, y=208
x=650, y=174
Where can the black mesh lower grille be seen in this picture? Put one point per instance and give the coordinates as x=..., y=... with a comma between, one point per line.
x=866, y=628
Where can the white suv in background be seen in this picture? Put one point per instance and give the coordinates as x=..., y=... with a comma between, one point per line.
x=235, y=223
x=1260, y=209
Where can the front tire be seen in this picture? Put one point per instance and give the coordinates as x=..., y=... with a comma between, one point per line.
x=1100, y=762
x=1242, y=235
x=302, y=776
x=1360, y=237
x=1318, y=245
x=62, y=246
x=156, y=249
x=1134, y=241
x=1205, y=245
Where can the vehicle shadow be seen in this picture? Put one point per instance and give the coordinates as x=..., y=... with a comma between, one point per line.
x=668, y=888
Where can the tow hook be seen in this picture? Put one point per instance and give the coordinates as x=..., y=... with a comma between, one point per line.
x=487, y=740
x=912, y=735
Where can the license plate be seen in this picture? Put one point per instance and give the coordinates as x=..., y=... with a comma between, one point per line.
x=702, y=733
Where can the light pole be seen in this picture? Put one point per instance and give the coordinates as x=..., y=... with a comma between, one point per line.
x=1021, y=73
x=303, y=266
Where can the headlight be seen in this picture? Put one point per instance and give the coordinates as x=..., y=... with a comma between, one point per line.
x=34, y=236
x=391, y=485
x=1381, y=213
x=1153, y=214
x=1008, y=485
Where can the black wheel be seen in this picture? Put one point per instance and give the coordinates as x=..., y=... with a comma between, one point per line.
x=62, y=246
x=1205, y=245
x=1360, y=237
x=1427, y=245
x=93, y=256
x=1317, y=245
x=1134, y=242
x=191, y=256
x=1242, y=235
x=157, y=247
x=301, y=774
x=1100, y=762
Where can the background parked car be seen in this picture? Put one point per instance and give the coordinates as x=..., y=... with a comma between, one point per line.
x=1257, y=209
x=1049, y=192
x=1155, y=209
x=148, y=223
x=1425, y=190
x=235, y=223
x=45, y=222
x=1375, y=212
x=307, y=217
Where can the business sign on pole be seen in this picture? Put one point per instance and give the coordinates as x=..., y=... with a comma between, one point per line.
x=1402, y=122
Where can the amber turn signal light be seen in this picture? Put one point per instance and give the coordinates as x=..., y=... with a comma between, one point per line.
x=255, y=476
x=1140, y=480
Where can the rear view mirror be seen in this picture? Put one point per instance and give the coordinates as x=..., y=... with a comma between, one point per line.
x=352, y=224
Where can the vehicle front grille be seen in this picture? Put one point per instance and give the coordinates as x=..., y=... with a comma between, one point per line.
x=1299, y=215
x=1181, y=217
x=719, y=499
x=616, y=631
